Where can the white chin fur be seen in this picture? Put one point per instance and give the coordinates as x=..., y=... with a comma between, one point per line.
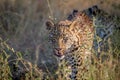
x=62, y=57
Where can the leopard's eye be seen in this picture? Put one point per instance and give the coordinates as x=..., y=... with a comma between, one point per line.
x=50, y=35
x=52, y=41
x=65, y=39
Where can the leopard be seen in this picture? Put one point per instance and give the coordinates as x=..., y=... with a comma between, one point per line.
x=74, y=39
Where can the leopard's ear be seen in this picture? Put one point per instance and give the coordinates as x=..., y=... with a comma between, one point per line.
x=49, y=25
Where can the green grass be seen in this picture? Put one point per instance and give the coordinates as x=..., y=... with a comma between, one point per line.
x=99, y=70
x=13, y=65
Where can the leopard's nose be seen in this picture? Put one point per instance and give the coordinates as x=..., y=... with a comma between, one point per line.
x=58, y=49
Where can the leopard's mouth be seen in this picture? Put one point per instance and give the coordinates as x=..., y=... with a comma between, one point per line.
x=58, y=53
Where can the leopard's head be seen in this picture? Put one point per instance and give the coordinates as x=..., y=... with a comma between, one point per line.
x=66, y=36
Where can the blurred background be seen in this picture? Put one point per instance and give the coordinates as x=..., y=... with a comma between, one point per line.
x=22, y=24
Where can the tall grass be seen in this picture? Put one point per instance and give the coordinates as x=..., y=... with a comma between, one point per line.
x=13, y=66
